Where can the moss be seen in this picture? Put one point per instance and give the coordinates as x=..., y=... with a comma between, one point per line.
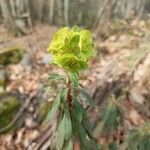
x=8, y=108
x=11, y=55
x=44, y=108
x=2, y=82
x=1, y=89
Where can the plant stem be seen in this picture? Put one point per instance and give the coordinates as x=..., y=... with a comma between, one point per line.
x=69, y=97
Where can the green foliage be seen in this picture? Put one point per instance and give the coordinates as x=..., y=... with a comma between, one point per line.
x=64, y=131
x=87, y=96
x=55, y=107
x=55, y=76
x=74, y=79
x=72, y=48
x=112, y=146
x=82, y=127
x=111, y=118
x=140, y=138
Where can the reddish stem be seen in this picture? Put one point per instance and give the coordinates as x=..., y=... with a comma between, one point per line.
x=69, y=97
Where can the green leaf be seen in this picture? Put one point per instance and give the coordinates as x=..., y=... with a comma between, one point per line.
x=67, y=125
x=64, y=130
x=140, y=138
x=78, y=109
x=58, y=40
x=74, y=79
x=106, y=121
x=87, y=96
x=85, y=36
x=112, y=146
x=98, y=129
x=68, y=145
x=75, y=41
x=87, y=125
x=72, y=48
x=133, y=140
x=144, y=144
x=70, y=62
x=75, y=28
x=86, y=44
x=65, y=94
x=55, y=107
x=55, y=76
x=111, y=118
x=60, y=135
x=82, y=127
x=86, y=142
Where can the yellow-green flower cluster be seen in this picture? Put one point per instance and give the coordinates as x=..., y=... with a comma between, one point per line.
x=72, y=48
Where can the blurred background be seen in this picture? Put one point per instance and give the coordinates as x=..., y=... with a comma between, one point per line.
x=121, y=34
x=19, y=14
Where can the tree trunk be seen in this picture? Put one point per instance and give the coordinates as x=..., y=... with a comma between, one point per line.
x=51, y=11
x=65, y=12
x=7, y=16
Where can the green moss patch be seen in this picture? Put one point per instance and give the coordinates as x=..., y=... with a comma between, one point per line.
x=11, y=55
x=9, y=106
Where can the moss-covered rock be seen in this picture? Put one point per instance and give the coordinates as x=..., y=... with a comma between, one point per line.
x=11, y=55
x=9, y=106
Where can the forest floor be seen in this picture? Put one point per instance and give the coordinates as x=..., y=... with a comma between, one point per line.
x=121, y=68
